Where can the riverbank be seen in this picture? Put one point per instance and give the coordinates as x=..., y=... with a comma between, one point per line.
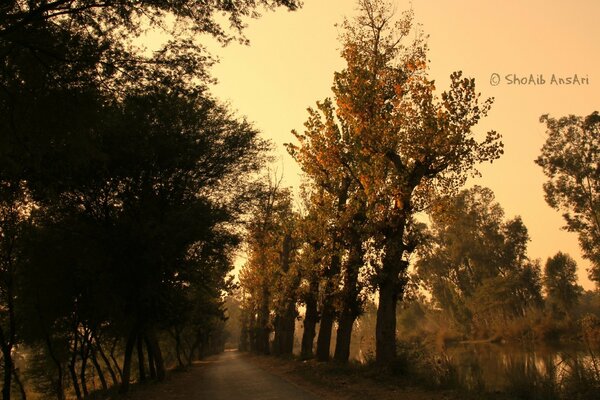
x=331, y=381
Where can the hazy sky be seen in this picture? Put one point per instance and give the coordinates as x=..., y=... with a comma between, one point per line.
x=293, y=55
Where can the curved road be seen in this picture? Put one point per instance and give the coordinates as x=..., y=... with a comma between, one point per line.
x=228, y=376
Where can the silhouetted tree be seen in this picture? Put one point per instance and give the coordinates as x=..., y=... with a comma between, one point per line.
x=570, y=159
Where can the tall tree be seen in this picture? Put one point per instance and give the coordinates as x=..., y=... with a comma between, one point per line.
x=570, y=159
x=405, y=142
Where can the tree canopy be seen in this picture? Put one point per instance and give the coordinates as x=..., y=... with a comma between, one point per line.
x=570, y=158
x=397, y=142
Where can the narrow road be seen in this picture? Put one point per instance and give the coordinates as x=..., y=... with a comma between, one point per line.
x=228, y=376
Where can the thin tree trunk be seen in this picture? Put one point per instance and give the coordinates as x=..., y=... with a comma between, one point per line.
x=19, y=384
x=177, y=336
x=151, y=366
x=8, y=368
x=141, y=362
x=60, y=390
x=126, y=374
x=83, y=370
x=114, y=360
x=8, y=342
x=111, y=371
x=193, y=350
x=74, y=378
x=98, y=368
x=157, y=354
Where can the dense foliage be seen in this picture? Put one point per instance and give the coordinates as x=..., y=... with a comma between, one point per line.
x=123, y=183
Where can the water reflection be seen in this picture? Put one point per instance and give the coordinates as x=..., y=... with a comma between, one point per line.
x=526, y=372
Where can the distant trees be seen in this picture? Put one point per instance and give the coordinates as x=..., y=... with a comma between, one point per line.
x=570, y=158
x=560, y=284
x=269, y=278
x=477, y=267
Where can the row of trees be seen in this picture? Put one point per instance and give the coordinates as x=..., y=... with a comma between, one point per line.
x=382, y=151
x=374, y=156
x=122, y=186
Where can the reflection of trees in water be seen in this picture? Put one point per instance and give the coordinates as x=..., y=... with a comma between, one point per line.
x=542, y=373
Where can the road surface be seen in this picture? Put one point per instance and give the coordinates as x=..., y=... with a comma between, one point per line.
x=228, y=376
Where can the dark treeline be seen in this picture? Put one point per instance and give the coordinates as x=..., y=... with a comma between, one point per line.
x=380, y=155
x=122, y=186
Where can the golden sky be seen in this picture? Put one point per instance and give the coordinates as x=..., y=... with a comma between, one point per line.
x=293, y=55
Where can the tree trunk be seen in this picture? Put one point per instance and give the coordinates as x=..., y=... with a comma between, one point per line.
x=8, y=343
x=350, y=301
x=141, y=362
x=328, y=310
x=74, y=378
x=244, y=344
x=8, y=369
x=151, y=366
x=98, y=368
x=262, y=345
x=60, y=390
x=310, y=320
x=178, y=350
x=287, y=318
x=344, y=337
x=278, y=328
x=193, y=350
x=157, y=355
x=111, y=371
x=19, y=384
x=288, y=324
x=324, y=338
x=385, y=329
x=126, y=374
x=82, y=371
x=114, y=360
x=390, y=290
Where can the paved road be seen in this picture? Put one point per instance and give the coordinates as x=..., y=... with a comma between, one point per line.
x=231, y=377
x=228, y=376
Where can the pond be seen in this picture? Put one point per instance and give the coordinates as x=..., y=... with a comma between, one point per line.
x=526, y=371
